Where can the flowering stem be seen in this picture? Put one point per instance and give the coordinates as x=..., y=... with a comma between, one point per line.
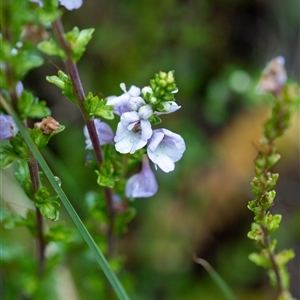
x=78, y=89
x=262, y=186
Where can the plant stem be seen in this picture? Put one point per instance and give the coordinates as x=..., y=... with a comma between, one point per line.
x=34, y=175
x=275, y=267
x=78, y=89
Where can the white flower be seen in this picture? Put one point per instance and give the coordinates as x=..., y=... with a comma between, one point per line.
x=132, y=133
x=165, y=148
x=143, y=184
x=104, y=133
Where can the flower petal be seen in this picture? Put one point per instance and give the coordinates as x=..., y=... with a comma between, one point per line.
x=143, y=184
x=8, y=128
x=165, y=148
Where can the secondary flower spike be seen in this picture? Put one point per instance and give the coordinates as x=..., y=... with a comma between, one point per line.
x=143, y=184
x=8, y=128
x=165, y=148
x=104, y=133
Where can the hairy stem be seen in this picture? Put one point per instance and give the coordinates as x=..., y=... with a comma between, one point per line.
x=76, y=82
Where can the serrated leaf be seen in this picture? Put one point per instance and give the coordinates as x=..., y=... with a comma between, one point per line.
x=7, y=156
x=30, y=107
x=50, y=47
x=106, y=175
x=99, y=108
x=63, y=82
x=49, y=208
x=77, y=41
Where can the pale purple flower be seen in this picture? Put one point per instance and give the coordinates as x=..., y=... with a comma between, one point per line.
x=133, y=132
x=143, y=184
x=104, y=133
x=8, y=128
x=68, y=4
x=165, y=148
x=273, y=76
x=71, y=4
x=19, y=89
x=128, y=101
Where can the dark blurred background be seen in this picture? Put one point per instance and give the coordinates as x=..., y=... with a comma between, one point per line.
x=218, y=49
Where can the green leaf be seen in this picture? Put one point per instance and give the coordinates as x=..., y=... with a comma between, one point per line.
x=273, y=223
x=106, y=176
x=63, y=82
x=49, y=209
x=283, y=257
x=11, y=221
x=7, y=156
x=256, y=232
x=96, y=107
x=23, y=62
x=50, y=47
x=77, y=41
x=19, y=147
x=30, y=107
x=261, y=259
x=59, y=233
x=23, y=176
x=48, y=206
x=39, y=138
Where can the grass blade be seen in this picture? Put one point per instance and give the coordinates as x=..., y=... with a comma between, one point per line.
x=112, y=278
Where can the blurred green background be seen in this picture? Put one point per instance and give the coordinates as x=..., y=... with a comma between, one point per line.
x=218, y=49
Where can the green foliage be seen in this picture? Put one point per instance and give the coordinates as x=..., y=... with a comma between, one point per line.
x=24, y=178
x=63, y=82
x=77, y=41
x=30, y=107
x=48, y=206
x=7, y=156
x=122, y=220
x=107, y=176
x=50, y=47
x=41, y=139
x=98, y=108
